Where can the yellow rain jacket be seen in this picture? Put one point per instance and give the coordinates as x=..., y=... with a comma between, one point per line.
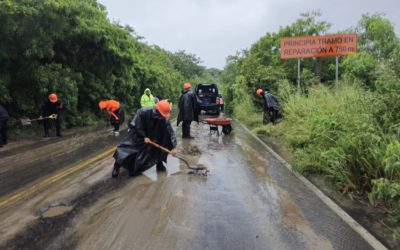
x=147, y=100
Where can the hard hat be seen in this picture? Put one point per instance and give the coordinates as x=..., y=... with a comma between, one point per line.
x=102, y=104
x=164, y=108
x=53, y=97
x=187, y=85
x=259, y=91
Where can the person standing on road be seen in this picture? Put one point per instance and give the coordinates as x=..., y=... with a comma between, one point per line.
x=221, y=103
x=3, y=126
x=147, y=99
x=188, y=110
x=271, y=106
x=51, y=106
x=134, y=153
x=116, y=113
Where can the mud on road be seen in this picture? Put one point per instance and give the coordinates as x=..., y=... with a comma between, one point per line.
x=249, y=201
x=35, y=160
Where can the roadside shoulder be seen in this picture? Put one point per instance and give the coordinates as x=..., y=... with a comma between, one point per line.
x=329, y=202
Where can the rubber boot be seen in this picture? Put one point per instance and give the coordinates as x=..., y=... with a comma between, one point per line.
x=115, y=171
x=160, y=167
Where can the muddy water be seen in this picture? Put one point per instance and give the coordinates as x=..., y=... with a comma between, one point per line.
x=248, y=201
x=242, y=204
x=46, y=157
x=56, y=211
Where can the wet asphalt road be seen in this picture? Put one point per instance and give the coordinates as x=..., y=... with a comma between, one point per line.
x=249, y=201
x=26, y=164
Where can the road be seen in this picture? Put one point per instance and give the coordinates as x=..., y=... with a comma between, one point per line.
x=248, y=201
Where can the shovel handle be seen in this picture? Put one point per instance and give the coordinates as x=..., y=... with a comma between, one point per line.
x=52, y=116
x=169, y=152
x=177, y=156
x=159, y=146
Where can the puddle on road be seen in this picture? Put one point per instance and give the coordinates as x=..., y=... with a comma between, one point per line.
x=292, y=217
x=56, y=211
x=290, y=213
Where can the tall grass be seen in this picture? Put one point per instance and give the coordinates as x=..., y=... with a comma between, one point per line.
x=332, y=132
x=245, y=111
x=340, y=133
x=337, y=133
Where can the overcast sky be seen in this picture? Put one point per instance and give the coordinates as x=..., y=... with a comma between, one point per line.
x=214, y=29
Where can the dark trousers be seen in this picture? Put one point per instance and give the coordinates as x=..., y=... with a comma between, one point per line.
x=221, y=107
x=270, y=115
x=134, y=172
x=46, y=126
x=114, y=122
x=3, y=132
x=186, y=129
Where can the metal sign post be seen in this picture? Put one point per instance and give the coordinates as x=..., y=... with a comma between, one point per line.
x=298, y=75
x=337, y=72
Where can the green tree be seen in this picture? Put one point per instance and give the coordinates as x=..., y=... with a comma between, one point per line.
x=360, y=66
x=71, y=48
x=376, y=36
x=187, y=64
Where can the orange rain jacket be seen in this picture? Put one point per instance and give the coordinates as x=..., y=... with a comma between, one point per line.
x=111, y=107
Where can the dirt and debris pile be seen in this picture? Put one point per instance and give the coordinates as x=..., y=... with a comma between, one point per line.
x=191, y=150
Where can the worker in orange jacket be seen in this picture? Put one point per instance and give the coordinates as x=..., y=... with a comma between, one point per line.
x=116, y=113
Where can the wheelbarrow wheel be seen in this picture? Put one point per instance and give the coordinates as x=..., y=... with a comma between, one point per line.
x=227, y=129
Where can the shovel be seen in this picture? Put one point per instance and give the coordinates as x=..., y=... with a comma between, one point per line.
x=199, y=168
x=26, y=121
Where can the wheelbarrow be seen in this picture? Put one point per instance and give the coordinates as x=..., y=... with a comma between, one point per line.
x=216, y=122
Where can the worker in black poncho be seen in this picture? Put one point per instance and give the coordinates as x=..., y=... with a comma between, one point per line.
x=134, y=153
x=271, y=106
x=3, y=126
x=188, y=110
x=51, y=106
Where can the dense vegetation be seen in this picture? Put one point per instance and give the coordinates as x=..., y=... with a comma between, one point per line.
x=71, y=48
x=350, y=133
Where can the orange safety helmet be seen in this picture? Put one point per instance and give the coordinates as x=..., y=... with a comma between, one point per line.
x=259, y=91
x=187, y=85
x=53, y=97
x=102, y=104
x=164, y=108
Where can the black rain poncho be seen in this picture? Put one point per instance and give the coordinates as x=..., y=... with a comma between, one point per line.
x=49, y=108
x=270, y=102
x=272, y=109
x=136, y=156
x=188, y=110
x=3, y=114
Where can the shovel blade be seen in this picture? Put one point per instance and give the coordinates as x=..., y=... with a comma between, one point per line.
x=26, y=121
